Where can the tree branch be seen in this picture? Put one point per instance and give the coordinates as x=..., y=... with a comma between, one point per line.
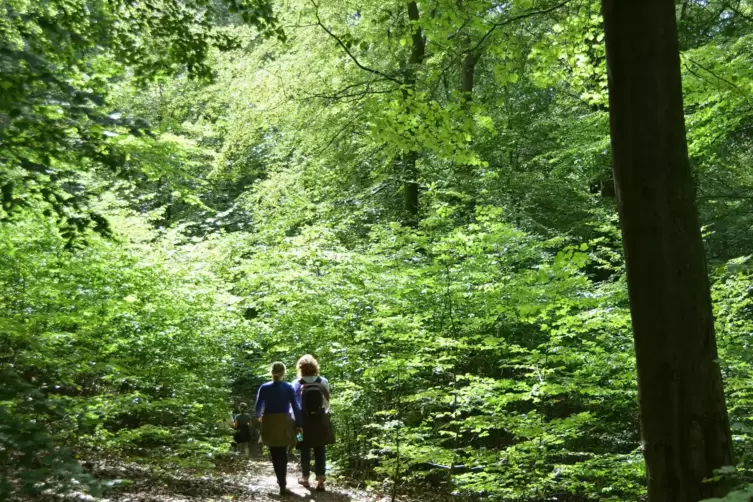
x=725, y=196
x=344, y=97
x=710, y=72
x=475, y=49
x=740, y=13
x=737, y=88
x=337, y=135
x=516, y=18
x=349, y=91
x=347, y=51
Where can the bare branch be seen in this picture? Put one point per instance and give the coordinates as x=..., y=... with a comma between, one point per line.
x=355, y=90
x=345, y=96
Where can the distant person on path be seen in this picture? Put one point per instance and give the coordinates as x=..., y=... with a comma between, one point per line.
x=312, y=393
x=242, y=424
x=273, y=405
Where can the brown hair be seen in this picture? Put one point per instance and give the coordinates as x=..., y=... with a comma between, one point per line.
x=242, y=407
x=277, y=370
x=308, y=366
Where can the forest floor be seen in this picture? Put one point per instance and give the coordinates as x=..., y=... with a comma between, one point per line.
x=251, y=480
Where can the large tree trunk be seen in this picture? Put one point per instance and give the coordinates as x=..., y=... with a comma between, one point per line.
x=683, y=416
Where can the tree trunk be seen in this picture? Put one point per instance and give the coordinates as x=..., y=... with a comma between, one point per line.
x=466, y=172
x=468, y=70
x=684, y=421
x=409, y=159
x=410, y=171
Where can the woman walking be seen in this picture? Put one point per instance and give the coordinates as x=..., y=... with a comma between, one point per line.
x=312, y=393
x=242, y=424
x=273, y=404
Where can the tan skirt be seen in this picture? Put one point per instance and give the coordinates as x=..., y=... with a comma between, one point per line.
x=278, y=429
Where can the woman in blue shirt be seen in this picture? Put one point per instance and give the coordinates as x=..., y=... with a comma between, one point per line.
x=273, y=404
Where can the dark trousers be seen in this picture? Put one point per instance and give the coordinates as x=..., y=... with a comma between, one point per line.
x=319, y=461
x=280, y=463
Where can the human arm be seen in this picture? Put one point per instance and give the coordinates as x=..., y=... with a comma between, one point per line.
x=296, y=407
x=297, y=391
x=327, y=394
x=259, y=402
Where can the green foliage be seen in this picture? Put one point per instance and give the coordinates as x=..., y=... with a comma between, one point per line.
x=741, y=495
x=457, y=342
x=59, y=61
x=124, y=347
x=240, y=198
x=32, y=461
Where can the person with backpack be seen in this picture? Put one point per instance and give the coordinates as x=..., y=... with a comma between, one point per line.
x=312, y=393
x=274, y=402
x=242, y=424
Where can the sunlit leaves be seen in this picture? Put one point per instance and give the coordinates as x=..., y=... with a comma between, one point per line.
x=59, y=60
x=125, y=346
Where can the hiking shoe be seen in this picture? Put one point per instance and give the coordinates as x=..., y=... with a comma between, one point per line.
x=304, y=482
x=320, y=486
x=285, y=491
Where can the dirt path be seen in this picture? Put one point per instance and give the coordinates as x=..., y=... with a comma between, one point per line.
x=253, y=480
x=261, y=479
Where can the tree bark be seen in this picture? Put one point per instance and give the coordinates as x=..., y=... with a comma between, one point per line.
x=410, y=168
x=684, y=421
x=468, y=73
x=410, y=159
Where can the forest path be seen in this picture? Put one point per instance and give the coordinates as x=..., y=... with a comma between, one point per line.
x=250, y=480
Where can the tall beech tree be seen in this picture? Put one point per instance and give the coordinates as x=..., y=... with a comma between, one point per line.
x=684, y=424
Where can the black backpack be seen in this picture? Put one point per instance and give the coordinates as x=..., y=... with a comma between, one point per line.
x=312, y=397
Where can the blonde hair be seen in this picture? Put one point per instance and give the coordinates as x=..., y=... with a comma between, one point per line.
x=277, y=370
x=308, y=366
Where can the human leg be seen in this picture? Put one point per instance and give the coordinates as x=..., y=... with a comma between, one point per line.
x=306, y=462
x=320, y=460
x=305, y=466
x=280, y=463
x=320, y=467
